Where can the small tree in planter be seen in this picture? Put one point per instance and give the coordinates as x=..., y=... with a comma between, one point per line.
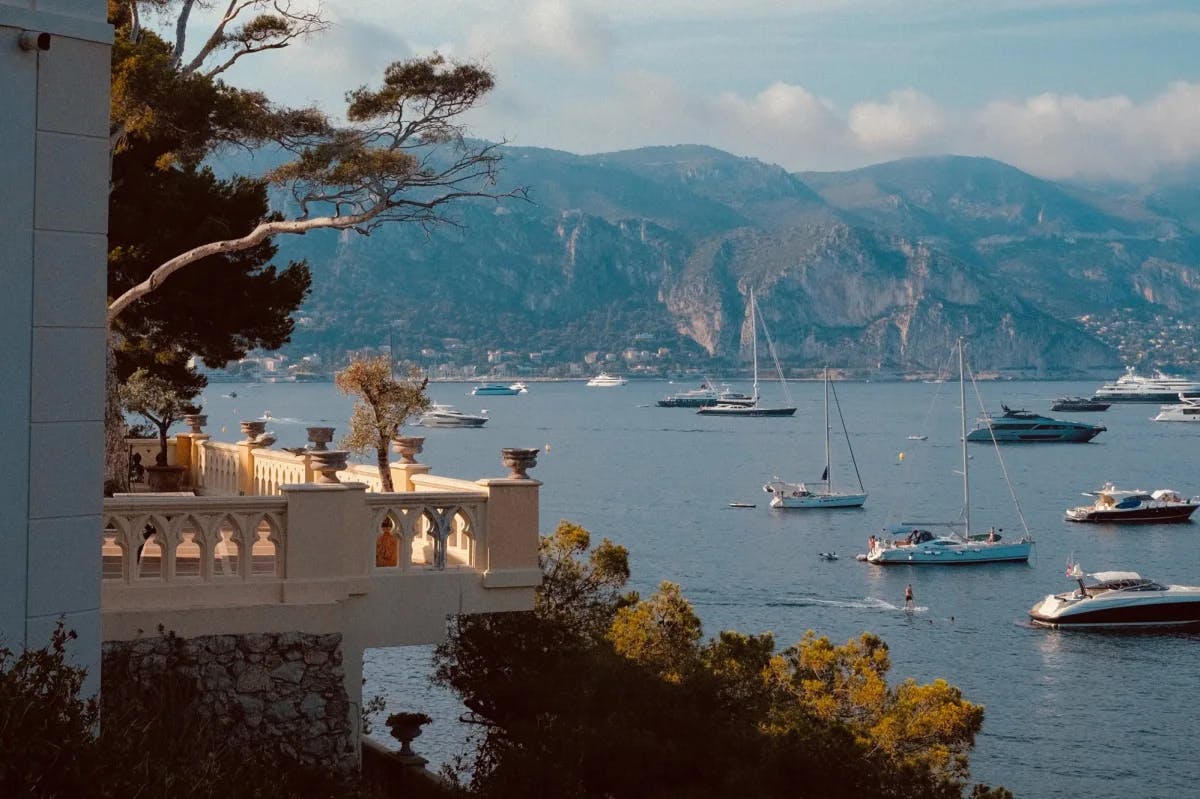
x=384, y=406
x=162, y=405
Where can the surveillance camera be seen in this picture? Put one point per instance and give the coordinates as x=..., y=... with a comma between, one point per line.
x=32, y=40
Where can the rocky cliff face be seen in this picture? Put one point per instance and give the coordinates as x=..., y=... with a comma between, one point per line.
x=877, y=268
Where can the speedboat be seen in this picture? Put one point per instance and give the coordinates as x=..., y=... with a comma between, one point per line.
x=705, y=396
x=449, y=416
x=1132, y=387
x=1078, y=404
x=495, y=390
x=1188, y=410
x=605, y=380
x=1118, y=599
x=519, y=387
x=1021, y=426
x=1114, y=505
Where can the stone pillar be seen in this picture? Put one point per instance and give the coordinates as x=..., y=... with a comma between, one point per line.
x=330, y=548
x=246, y=448
x=189, y=455
x=509, y=556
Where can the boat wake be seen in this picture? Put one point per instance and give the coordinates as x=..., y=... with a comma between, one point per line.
x=866, y=603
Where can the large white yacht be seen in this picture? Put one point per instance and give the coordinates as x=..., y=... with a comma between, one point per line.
x=605, y=380
x=1132, y=387
x=1118, y=599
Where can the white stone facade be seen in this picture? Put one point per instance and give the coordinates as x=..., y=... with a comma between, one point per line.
x=53, y=230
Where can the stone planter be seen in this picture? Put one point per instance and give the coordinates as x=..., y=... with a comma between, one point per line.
x=319, y=437
x=408, y=447
x=196, y=421
x=165, y=478
x=518, y=461
x=327, y=463
x=253, y=429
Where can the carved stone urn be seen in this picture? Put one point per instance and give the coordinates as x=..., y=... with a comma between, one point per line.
x=408, y=447
x=518, y=460
x=319, y=437
x=327, y=463
x=196, y=421
x=253, y=428
x=406, y=726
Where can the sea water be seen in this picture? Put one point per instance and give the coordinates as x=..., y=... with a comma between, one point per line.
x=1068, y=714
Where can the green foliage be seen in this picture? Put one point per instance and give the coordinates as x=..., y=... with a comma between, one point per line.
x=159, y=401
x=598, y=693
x=384, y=406
x=154, y=738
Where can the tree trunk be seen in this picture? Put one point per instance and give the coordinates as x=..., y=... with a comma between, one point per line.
x=385, y=470
x=116, y=454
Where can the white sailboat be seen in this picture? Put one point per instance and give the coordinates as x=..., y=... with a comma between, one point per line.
x=910, y=543
x=753, y=408
x=822, y=494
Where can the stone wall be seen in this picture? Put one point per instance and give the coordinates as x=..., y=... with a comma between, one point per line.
x=280, y=690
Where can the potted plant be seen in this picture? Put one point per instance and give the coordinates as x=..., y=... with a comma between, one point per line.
x=162, y=405
x=405, y=727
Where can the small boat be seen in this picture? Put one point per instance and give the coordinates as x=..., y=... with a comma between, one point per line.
x=752, y=408
x=1078, y=404
x=822, y=494
x=1026, y=427
x=520, y=387
x=1132, y=387
x=917, y=438
x=495, y=390
x=913, y=544
x=742, y=505
x=1118, y=599
x=605, y=380
x=449, y=416
x=1133, y=507
x=827, y=555
x=1188, y=410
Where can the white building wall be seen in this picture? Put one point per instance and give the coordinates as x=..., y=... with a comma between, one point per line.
x=53, y=228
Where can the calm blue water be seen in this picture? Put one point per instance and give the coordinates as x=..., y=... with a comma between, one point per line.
x=1067, y=714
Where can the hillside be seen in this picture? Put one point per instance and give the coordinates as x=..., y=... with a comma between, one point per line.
x=877, y=268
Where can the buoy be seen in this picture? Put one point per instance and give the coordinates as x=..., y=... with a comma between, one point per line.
x=901, y=456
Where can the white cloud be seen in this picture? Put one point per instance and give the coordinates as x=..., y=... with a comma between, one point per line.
x=907, y=122
x=554, y=30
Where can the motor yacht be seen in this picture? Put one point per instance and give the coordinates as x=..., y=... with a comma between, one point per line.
x=1116, y=599
x=1131, y=507
x=705, y=396
x=449, y=416
x=605, y=380
x=1132, y=387
x=1077, y=404
x=520, y=387
x=1188, y=410
x=495, y=390
x=1021, y=426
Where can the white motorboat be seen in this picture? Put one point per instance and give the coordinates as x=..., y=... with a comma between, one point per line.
x=605, y=380
x=1132, y=387
x=1116, y=599
x=520, y=387
x=1188, y=410
x=822, y=494
x=1111, y=504
x=449, y=416
x=751, y=407
x=705, y=396
x=912, y=543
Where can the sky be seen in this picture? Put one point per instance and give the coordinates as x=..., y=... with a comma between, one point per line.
x=1087, y=89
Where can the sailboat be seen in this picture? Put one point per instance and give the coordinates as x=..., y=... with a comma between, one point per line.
x=752, y=408
x=800, y=495
x=910, y=543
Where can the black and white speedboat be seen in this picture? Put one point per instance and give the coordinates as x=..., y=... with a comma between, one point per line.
x=1118, y=599
x=1111, y=504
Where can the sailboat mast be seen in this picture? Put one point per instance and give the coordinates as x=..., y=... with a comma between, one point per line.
x=754, y=340
x=962, y=398
x=828, y=475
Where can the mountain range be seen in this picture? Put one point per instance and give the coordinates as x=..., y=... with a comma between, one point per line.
x=878, y=268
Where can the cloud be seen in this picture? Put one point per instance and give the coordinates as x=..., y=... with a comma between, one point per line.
x=907, y=122
x=549, y=30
